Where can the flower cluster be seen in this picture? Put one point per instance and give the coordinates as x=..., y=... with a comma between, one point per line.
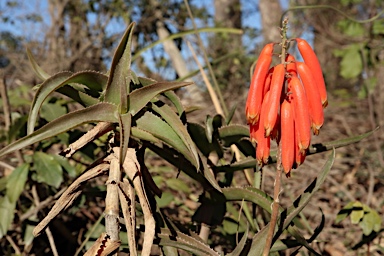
x=284, y=103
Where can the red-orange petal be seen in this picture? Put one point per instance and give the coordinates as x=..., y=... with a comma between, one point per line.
x=313, y=63
x=274, y=98
x=287, y=141
x=314, y=101
x=255, y=94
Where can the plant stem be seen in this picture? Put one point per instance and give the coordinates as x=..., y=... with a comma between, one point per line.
x=275, y=206
x=277, y=185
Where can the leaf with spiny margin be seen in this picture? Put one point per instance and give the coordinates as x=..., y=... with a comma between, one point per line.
x=179, y=161
x=80, y=97
x=184, y=242
x=250, y=194
x=120, y=72
x=313, y=149
x=137, y=99
x=198, y=135
x=125, y=122
x=93, y=80
x=240, y=246
x=101, y=112
x=258, y=241
x=174, y=121
x=163, y=131
x=231, y=134
x=171, y=95
x=144, y=81
x=36, y=68
x=143, y=135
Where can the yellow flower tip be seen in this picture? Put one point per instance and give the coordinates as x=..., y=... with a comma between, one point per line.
x=325, y=103
x=316, y=131
x=268, y=131
x=252, y=119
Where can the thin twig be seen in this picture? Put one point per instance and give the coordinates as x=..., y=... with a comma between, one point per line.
x=48, y=231
x=51, y=241
x=13, y=244
x=275, y=208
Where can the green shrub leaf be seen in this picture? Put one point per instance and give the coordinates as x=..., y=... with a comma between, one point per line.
x=16, y=182
x=48, y=170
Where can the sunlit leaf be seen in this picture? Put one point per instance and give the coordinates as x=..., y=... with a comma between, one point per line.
x=174, y=121
x=100, y=112
x=120, y=73
x=93, y=80
x=16, y=182
x=38, y=70
x=140, y=97
x=161, y=130
x=6, y=215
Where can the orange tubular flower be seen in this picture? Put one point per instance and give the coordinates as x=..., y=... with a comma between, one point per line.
x=274, y=99
x=301, y=113
x=313, y=63
x=299, y=155
x=263, y=142
x=287, y=141
x=255, y=95
x=268, y=80
x=314, y=102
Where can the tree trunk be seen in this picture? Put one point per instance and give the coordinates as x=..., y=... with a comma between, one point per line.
x=270, y=23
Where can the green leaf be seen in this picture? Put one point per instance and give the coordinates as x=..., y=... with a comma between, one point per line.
x=93, y=80
x=120, y=73
x=249, y=194
x=184, y=242
x=199, y=137
x=344, y=213
x=161, y=130
x=259, y=239
x=378, y=27
x=48, y=170
x=71, y=170
x=351, y=28
x=231, y=134
x=125, y=121
x=240, y=246
x=357, y=212
x=178, y=185
x=51, y=111
x=165, y=199
x=140, y=97
x=172, y=96
x=351, y=64
x=143, y=135
x=16, y=182
x=28, y=235
x=100, y=112
x=6, y=215
x=36, y=68
x=174, y=121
